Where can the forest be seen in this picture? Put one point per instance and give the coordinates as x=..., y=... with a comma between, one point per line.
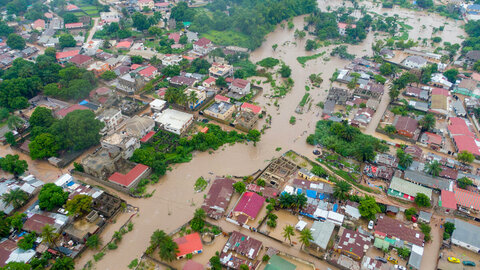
x=248, y=21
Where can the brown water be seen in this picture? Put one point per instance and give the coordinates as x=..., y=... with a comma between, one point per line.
x=174, y=200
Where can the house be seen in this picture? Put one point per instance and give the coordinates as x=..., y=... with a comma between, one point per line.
x=37, y=219
x=109, y=17
x=149, y=72
x=424, y=217
x=174, y=121
x=63, y=112
x=467, y=86
x=472, y=56
x=182, y=81
x=240, y=87
x=162, y=6
x=243, y=245
x=387, y=53
x=435, y=141
x=406, y=126
x=76, y=25
x=146, y=4
x=92, y=47
x=468, y=200
x=111, y=118
x=463, y=137
x=353, y=244
x=98, y=67
x=386, y=160
x=81, y=60
x=218, y=197
x=321, y=232
x=419, y=105
x=220, y=98
x=415, y=61
x=447, y=200
x=63, y=57
x=342, y=28
x=174, y=36
x=120, y=141
x=38, y=25
x=72, y=7
x=209, y=82
x=466, y=235
x=416, y=93
x=363, y=117
x=129, y=83
x=439, y=101
x=130, y=179
x=248, y=206
x=157, y=105
x=139, y=126
x=124, y=44
x=220, y=70
x=278, y=263
x=247, y=107
x=407, y=190
x=415, y=151
x=220, y=110
x=189, y=244
x=203, y=46
x=458, y=108
x=398, y=231
x=415, y=259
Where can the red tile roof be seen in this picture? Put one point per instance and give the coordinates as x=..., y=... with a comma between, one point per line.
x=71, y=7
x=124, y=44
x=147, y=137
x=65, y=111
x=222, y=98
x=202, y=42
x=127, y=179
x=241, y=83
x=189, y=244
x=61, y=55
x=80, y=59
x=250, y=107
x=135, y=66
x=466, y=198
x=174, y=36
x=476, y=76
x=448, y=199
x=48, y=15
x=458, y=126
x=250, y=204
x=406, y=123
x=210, y=80
x=346, y=25
x=39, y=23
x=164, y=4
x=36, y=223
x=393, y=228
x=148, y=71
x=73, y=25
x=434, y=138
x=440, y=91
x=467, y=143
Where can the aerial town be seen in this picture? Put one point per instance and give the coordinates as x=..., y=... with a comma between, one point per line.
x=245, y=135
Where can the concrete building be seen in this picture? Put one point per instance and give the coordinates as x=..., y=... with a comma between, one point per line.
x=342, y=28
x=240, y=87
x=466, y=235
x=220, y=110
x=174, y=121
x=157, y=105
x=111, y=118
x=195, y=97
x=139, y=126
x=415, y=61
x=220, y=70
x=322, y=232
x=127, y=144
x=130, y=179
x=407, y=190
x=203, y=46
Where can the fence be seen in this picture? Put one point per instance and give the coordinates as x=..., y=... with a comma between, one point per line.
x=103, y=182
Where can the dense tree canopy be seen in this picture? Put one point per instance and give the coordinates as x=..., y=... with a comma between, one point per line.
x=51, y=196
x=79, y=205
x=12, y=164
x=15, y=41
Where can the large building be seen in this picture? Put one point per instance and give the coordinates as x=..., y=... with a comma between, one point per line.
x=130, y=179
x=466, y=235
x=321, y=232
x=220, y=110
x=353, y=244
x=189, y=244
x=174, y=121
x=407, y=190
x=248, y=207
x=218, y=197
x=393, y=229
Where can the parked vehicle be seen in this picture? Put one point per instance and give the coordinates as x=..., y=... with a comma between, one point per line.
x=453, y=260
x=399, y=267
x=392, y=260
x=381, y=259
x=468, y=263
x=370, y=225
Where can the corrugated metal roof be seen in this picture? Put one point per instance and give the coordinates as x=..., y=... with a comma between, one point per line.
x=409, y=188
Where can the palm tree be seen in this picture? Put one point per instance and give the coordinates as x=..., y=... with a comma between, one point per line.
x=16, y=198
x=306, y=237
x=157, y=238
x=49, y=235
x=14, y=122
x=341, y=190
x=405, y=160
x=192, y=99
x=288, y=232
x=168, y=250
x=286, y=200
x=200, y=214
x=434, y=168
x=300, y=201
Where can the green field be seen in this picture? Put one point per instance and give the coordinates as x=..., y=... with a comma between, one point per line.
x=227, y=38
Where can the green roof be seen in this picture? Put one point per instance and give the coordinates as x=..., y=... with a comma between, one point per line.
x=381, y=244
x=409, y=188
x=279, y=263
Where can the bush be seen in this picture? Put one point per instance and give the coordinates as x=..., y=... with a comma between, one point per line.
x=112, y=246
x=97, y=257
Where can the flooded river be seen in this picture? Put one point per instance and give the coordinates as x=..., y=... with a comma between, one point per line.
x=174, y=200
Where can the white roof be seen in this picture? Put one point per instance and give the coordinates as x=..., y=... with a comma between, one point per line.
x=352, y=211
x=63, y=180
x=417, y=249
x=289, y=189
x=173, y=119
x=335, y=217
x=158, y=103
x=301, y=225
x=320, y=213
x=20, y=255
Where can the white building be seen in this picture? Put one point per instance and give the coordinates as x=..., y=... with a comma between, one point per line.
x=415, y=61
x=240, y=86
x=111, y=118
x=127, y=144
x=466, y=235
x=199, y=94
x=157, y=105
x=174, y=121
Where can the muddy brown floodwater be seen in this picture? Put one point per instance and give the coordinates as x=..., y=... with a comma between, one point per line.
x=174, y=200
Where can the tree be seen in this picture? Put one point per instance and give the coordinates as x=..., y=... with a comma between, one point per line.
x=239, y=187
x=49, y=235
x=387, y=69
x=42, y=117
x=67, y=40
x=341, y=190
x=220, y=82
x=43, y=146
x=365, y=152
x=157, y=238
x=275, y=46
x=306, y=237
x=14, y=122
x=70, y=18
x=79, y=205
x=285, y=71
x=254, y=136
x=17, y=220
x=51, y=196
x=136, y=59
x=464, y=182
x=368, y=207
x=182, y=13
x=310, y=45
x=198, y=221
x=404, y=160
x=63, y=263
x=12, y=164
x=451, y=75
x=17, y=266
x=465, y=157
x=449, y=227
x=140, y=21
x=10, y=138
x=15, y=198
x=404, y=252
x=215, y=263
x=425, y=3
x=93, y=241
x=27, y=241
x=410, y=212
x=433, y=168
x=422, y=200
x=390, y=129
x=319, y=171
x=288, y=232
x=168, y=250
x=16, y=42
x=427, y=122
x=108, y=75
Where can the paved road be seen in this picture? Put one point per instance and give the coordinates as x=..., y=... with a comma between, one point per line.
x=382, y=107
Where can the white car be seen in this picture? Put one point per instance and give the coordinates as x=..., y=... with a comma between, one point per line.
x=370, y=225
x=399, y=267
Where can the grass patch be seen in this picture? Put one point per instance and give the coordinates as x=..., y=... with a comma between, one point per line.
x=304, y=99
x=200, y=184
x=227, y=38
x=303, y=59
